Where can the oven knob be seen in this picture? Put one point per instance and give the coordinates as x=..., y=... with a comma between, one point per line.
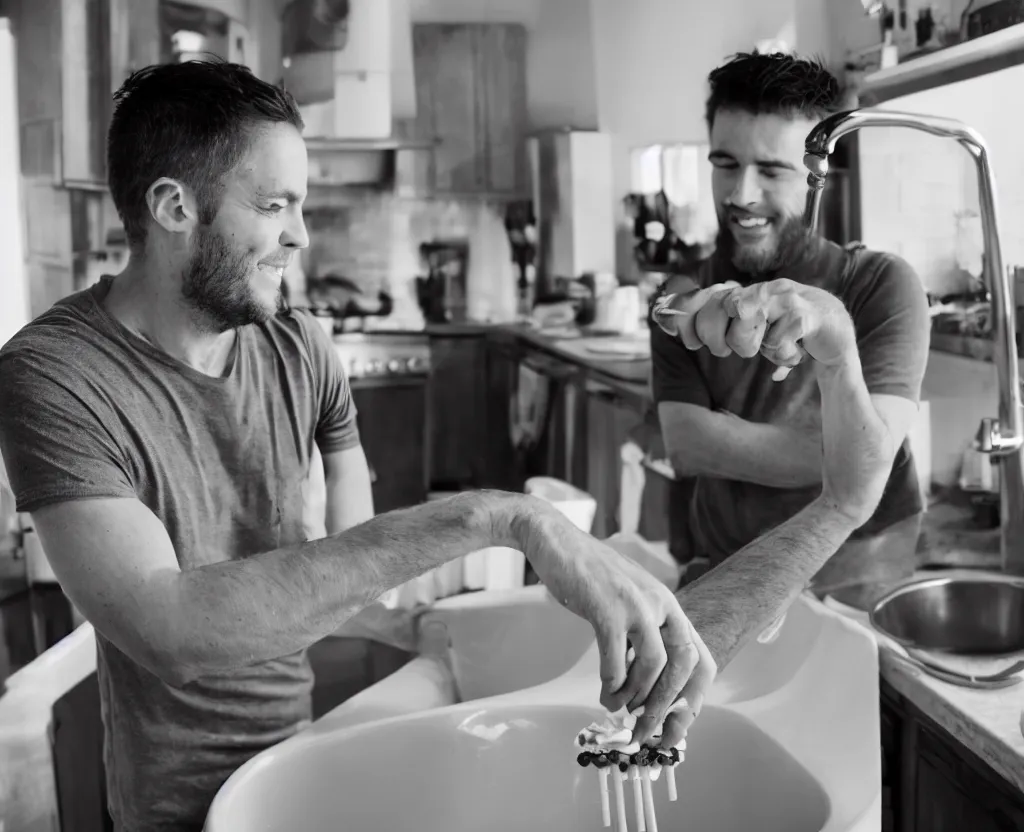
x=413, y=364
x=394, y=366
x=375, y=367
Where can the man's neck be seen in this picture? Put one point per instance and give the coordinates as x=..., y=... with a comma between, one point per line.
x=148, y=301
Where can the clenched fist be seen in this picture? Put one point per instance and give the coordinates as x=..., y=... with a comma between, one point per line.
x=780, y=319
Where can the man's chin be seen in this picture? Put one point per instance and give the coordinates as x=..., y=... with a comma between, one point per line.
x=754, y=260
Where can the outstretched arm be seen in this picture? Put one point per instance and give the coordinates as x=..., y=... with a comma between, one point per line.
x=745, y=593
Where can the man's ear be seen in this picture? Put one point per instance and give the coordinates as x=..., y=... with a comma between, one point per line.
x=172, y=205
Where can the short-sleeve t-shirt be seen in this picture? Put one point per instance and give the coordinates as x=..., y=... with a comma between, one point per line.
x=889, y=308
x=91, y=410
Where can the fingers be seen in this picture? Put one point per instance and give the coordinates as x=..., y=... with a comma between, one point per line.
x=781, y=345
x=612, y=648
x=682, y=657
x=686, y=322
x=746, y=335
x=690, y=702
x=643, y=673
x=711, y=325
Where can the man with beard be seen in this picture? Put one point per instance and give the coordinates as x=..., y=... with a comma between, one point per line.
x=748, y=440
x=159, y=428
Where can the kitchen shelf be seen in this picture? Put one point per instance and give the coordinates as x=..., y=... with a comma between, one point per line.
x=980, y=56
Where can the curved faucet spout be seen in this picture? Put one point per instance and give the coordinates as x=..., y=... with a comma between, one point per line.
x=821, y=142
x=1004, y=437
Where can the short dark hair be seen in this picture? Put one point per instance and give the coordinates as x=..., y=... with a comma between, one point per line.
x=192, y=121
x=775, y=83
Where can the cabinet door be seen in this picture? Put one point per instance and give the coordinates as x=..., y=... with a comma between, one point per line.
x=444, y=57
x=504, y=467
x=37, y=34
x=501, y=106
x=86, y=94
x=392, y=427
x=457, y=406
x=609, y=425
x=103, y=41
x=471, y=100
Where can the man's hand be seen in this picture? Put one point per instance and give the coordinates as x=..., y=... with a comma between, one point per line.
x=626, y=606
x=780, y=319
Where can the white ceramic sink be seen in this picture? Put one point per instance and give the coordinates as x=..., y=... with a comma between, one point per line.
x=789, y=739
x=463, y=770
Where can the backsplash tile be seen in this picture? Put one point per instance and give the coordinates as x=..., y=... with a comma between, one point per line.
x=373, y=239
x=915, y=187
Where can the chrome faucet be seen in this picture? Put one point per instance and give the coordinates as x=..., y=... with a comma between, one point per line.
x=1002, y=438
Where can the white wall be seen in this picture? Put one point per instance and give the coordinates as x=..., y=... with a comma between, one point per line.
x=961, y=392
x=14, y=305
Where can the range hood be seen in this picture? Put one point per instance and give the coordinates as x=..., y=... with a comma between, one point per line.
x=349, y=65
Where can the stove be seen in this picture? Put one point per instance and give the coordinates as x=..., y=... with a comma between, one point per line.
x=382, y=356
x=389, y=375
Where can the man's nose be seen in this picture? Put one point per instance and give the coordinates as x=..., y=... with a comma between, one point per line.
x=748, y=188
x=294, y=234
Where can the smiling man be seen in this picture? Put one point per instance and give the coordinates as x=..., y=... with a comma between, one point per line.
x=160, y=427
x=753, y=444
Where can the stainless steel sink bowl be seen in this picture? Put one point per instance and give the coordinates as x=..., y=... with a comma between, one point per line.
x=980, y=615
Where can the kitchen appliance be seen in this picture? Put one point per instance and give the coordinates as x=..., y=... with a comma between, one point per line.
x=521, y=227
x=442, y=293
x=389, y=373
x=574, y=204
x=349, y=65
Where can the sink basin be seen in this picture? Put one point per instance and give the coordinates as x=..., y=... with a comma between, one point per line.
x=788, y=738
x=462, y=770
x=972, y=614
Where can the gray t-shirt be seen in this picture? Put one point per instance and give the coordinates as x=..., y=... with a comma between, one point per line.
x=90, y=410
x=889, y=308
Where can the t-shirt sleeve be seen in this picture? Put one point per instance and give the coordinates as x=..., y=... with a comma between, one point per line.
x=56, y=441
x=675, y=374
x=893, y=329
x=336, y=427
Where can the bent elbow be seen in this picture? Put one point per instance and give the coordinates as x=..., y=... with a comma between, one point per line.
x=683, y=464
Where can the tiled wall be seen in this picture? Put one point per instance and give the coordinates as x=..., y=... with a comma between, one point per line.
x=373, y=239
x=914, y=186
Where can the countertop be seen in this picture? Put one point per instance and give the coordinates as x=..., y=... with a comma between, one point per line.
x=630, y=378
x=987, y=722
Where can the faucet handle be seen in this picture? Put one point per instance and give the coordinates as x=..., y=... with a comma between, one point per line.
x=988, y=437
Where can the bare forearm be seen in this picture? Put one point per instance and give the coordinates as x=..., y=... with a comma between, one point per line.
x=743, y=595
x=771, y=455
x=242, y=612
x=740, y=597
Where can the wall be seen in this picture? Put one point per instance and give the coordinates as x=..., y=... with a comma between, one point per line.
x=655, y=56
x=374, y=238
x=914, y=185
x=14, y=306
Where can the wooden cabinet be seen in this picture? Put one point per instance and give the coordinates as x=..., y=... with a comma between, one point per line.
x=72, y=56
x=394, y=439
x=932, y=783
x=471, y=101
x=457, y=405
x=503, y=465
